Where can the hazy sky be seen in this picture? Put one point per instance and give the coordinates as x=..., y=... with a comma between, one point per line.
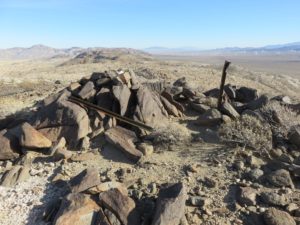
x=146, y=23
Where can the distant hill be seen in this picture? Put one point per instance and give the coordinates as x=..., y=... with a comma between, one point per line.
x=270, y=49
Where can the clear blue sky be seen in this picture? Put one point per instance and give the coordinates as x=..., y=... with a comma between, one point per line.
x=146, y=23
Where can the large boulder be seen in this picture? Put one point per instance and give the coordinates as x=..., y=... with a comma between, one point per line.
x=88, y=91
x=9, y=146
x=123, y=95
x=62, y=118
x=88, y=178
x=245, y=94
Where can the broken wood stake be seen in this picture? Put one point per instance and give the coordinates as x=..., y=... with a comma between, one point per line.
x=224, y=73
x=110, y=113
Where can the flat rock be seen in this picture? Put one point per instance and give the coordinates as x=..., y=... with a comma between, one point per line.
x=77, y=209
x=277, y=217
x=32, y=139
x=88, y=91
x=123, y=140
x=86, y=179
x=121, y=205
x=210, y=118
x=10, y=147
x=170, y=205
x=122, y=94
x=280, y=178
x=15, y=175
x=106, y=186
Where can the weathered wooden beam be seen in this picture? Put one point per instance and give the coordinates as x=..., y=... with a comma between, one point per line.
x=110, y=113
x=224, y=73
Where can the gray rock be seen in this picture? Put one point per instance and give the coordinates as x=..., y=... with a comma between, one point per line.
x=280, y=178
x=111, y=217
x=258, y=103
x=201, y=108
x=15, y=175
x=286, y=158
x=170, y=108
x=180, y=82
x=122, y=95
x=255, y=174
x=86, y=179
x=88, y=91
x=273, y=198
x=199, y=201
x=245, y=94
x=209, y=118
x=228, y=110
x=230, y=91
x=170, y=205
x=10, y=147
x=294, y=136
x=277, y=217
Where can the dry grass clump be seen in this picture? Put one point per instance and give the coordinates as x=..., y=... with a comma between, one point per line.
x=248, y=131
x=169, y=135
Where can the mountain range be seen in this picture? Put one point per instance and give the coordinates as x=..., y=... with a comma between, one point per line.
x=42, y=51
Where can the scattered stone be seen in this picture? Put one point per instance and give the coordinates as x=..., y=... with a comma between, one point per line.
x=170, y=205
x=247, y=196
x=62, y=153
x=275, y=152
x=277, y=217
x=87, y=156
x=77, y=209
x=123, y=140
x=86, y=179
x=292, y=207
x=15, y=175
x=255, y=174
x=121, y=205
x=199, y=201
x=102, y=187
x=280, y=178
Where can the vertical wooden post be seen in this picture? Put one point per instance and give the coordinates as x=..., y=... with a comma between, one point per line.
x=224, y=73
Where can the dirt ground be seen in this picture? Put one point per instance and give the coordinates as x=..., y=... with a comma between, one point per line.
x=24, y=83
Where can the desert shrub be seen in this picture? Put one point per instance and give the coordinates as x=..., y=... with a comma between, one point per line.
x=247, y=131
x=280, y=117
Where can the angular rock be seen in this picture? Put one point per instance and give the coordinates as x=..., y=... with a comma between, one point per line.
x=209, y=118
x=148, y=109
x=247, y=196
x=180, y=82
x=257, y=103
x=122, y=94
x=86, y=179
x=88, y=91
x=76, y=209
x=15, y=175
x=60, y=144
x=123, y=139
x=101, y=219
x=273, y=198
x=201, y=108
x=62, y=153
x=121, y=205
x=10, y=148
x=245, y=94
x=228, y=110
x=105, y=98
x=230, y=91
x=282, y=98
x=171, y=109
x=170, y=205
x=294, y=136
x=199, y=201
x=280, y=178
x=277, y=217
x=32, y=139
x=170, y=98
